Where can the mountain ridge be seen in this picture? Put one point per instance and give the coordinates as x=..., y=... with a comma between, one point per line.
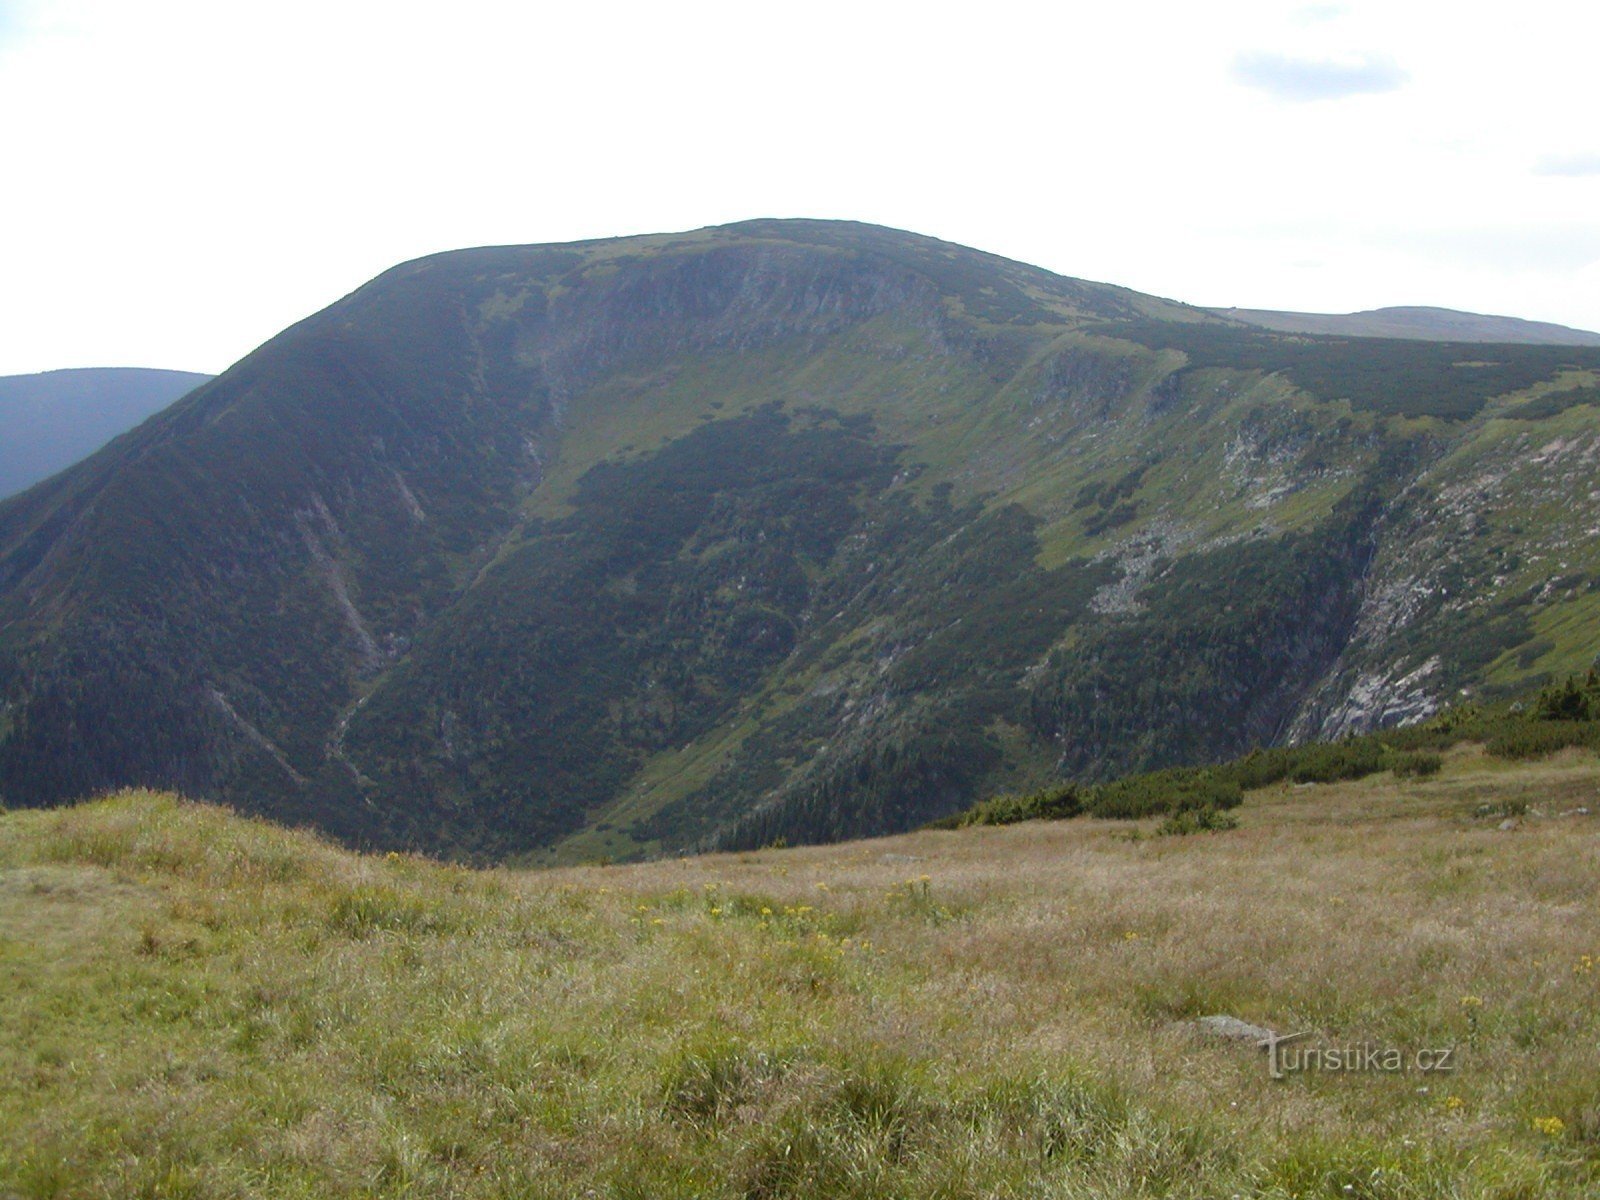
x=51, y=419
x=783, y=529
x=1420, y=322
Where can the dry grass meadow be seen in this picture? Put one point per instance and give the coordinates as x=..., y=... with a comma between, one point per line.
x=192, y=1004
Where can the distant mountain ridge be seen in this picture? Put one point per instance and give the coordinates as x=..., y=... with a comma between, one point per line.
x=1417, y=322
x=784, y=529
x=50, y=420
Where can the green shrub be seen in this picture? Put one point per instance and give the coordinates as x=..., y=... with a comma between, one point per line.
x=1538, y=738
x=1197, y=820
x=1177, y=790
x=1330, y=763
x=1569, y=701
x=1418, y=764
x=1048, y=804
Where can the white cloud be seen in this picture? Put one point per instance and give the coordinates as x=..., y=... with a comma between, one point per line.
x=1568, y=165
x=1301, y=79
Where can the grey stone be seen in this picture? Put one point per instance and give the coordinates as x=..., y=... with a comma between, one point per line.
x=1235, y=1029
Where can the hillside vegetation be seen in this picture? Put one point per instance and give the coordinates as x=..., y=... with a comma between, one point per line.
x=1561, y=716
x=786, y=529
x=198, y=1004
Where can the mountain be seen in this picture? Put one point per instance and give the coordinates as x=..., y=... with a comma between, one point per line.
x=1425, y=324
x=51, y=420
x=785, y=529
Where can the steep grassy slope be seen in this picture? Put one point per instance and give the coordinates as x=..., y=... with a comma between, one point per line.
x=51, y=420
x=785, y=529
x=198, y=1005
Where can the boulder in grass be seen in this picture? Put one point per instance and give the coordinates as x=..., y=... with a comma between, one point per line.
x=1235, y=1029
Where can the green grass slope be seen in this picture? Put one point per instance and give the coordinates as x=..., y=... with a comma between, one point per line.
x=197, y=1004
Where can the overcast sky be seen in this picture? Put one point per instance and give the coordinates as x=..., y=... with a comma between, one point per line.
x=182, y=180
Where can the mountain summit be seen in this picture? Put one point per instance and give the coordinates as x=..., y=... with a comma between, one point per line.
x=781, y=529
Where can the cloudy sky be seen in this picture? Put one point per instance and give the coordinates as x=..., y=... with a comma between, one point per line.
x=183, y=179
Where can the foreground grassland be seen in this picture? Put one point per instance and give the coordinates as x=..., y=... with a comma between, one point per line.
x=192, y=1004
